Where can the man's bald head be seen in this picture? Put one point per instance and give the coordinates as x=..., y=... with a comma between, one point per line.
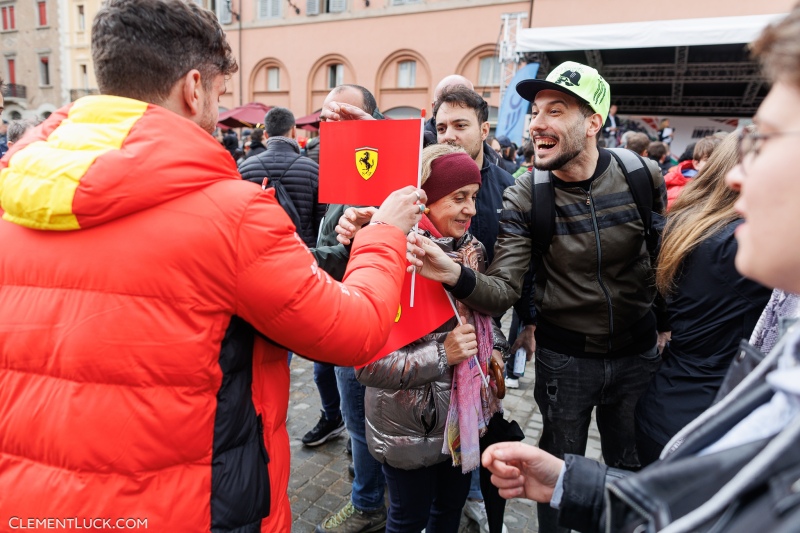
x=354, y=95
x=451, y=81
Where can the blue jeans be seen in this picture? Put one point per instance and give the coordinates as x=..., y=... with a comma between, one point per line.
x=325, y=378
x=475, y=486
x=368, y=483
x=568, y=388
x=430, y=497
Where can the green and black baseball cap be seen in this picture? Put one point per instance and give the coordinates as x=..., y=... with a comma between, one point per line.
x=575, y=79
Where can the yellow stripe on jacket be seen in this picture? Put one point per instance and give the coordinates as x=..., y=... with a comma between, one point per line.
x=38, y=186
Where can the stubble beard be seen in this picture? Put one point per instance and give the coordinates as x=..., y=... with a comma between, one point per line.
x=572, y=148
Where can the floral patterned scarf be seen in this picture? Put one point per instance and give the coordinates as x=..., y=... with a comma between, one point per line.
x=471, y=404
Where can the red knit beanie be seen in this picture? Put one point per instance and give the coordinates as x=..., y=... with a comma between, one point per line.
x=449, y=173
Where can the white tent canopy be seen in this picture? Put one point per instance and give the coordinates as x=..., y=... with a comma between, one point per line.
x=659, y=33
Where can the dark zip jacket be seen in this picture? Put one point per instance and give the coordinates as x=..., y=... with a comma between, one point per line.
x=594, y=291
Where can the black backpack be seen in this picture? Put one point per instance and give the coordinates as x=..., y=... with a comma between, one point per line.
x=543, y=212
x=281, y=194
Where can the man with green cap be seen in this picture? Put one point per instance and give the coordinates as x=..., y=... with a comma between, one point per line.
x=590, y=318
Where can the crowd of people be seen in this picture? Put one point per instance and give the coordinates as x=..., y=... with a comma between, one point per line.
x=152, y=301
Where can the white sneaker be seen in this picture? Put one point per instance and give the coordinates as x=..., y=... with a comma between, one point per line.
x=476, y=511
x=512, y=383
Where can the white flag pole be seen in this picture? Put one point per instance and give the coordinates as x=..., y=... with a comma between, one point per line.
x=419, y=185
x=461, y=323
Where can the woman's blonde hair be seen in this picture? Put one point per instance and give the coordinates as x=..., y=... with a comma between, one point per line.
x=429, y=153
x=703, y=208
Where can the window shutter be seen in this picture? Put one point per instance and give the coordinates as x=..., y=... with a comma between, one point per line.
x=274, y=9
x=42, y=13
x=337, y=6
x=225, y=12
x=312, y=7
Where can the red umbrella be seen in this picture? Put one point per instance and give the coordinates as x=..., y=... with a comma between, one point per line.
x=246, y=116
x=309, y=122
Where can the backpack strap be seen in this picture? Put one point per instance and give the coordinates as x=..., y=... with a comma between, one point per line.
x=543, y=214
x=281, y=194
x=543, y=202
x=641, y=185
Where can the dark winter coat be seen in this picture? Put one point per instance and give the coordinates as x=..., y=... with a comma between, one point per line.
x=299, y=176
x=486, y=222
x=711, y=309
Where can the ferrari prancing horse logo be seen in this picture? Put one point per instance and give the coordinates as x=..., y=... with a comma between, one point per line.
x=366, y=161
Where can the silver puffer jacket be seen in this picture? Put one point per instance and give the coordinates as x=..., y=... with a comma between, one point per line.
x=408, y=392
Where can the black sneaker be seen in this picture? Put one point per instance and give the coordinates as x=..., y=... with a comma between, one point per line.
x=323, y=431
x=348, y=448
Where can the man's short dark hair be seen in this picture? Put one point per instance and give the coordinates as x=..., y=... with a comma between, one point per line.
x=585, y=109
x=257, y=135
x=657, y=150
x=463, y=96
x=278, y=122
x=369, y=105
x=141, y=48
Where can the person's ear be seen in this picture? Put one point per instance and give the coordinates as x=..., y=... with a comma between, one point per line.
x=293, y=135
x=595, y=125
x=191, y=91
x=484, y=130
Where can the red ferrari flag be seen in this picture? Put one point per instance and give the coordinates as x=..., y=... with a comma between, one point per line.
x=362, y=161
x=432, y=308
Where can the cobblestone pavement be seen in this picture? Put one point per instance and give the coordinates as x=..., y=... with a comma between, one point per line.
x=320, y=484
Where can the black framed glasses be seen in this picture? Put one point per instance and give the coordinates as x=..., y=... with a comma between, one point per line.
x=750, y=143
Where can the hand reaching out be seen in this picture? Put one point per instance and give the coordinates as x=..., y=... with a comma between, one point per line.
x=403, y=209
x=337, y=111
x=431, y=261
x=351, y=221
x=522, y=471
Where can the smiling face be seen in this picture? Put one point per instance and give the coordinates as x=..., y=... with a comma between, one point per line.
x=769, y=185
x=558, y=129
x=451, y=214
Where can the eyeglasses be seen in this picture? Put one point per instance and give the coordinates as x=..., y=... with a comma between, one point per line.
x=750, y=143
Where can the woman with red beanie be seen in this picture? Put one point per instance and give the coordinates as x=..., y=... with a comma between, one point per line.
x=427, y=403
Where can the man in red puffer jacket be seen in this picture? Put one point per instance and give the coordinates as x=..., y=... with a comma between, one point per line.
x=149, y=296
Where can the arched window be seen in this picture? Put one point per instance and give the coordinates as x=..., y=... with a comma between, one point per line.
x=328, y=72
x=403, y=112
x=269, y=83
x=482, y=67
x=403, y=81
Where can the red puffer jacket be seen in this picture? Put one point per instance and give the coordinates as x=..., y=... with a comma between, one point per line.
x=144, y=292
x=676, y=181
